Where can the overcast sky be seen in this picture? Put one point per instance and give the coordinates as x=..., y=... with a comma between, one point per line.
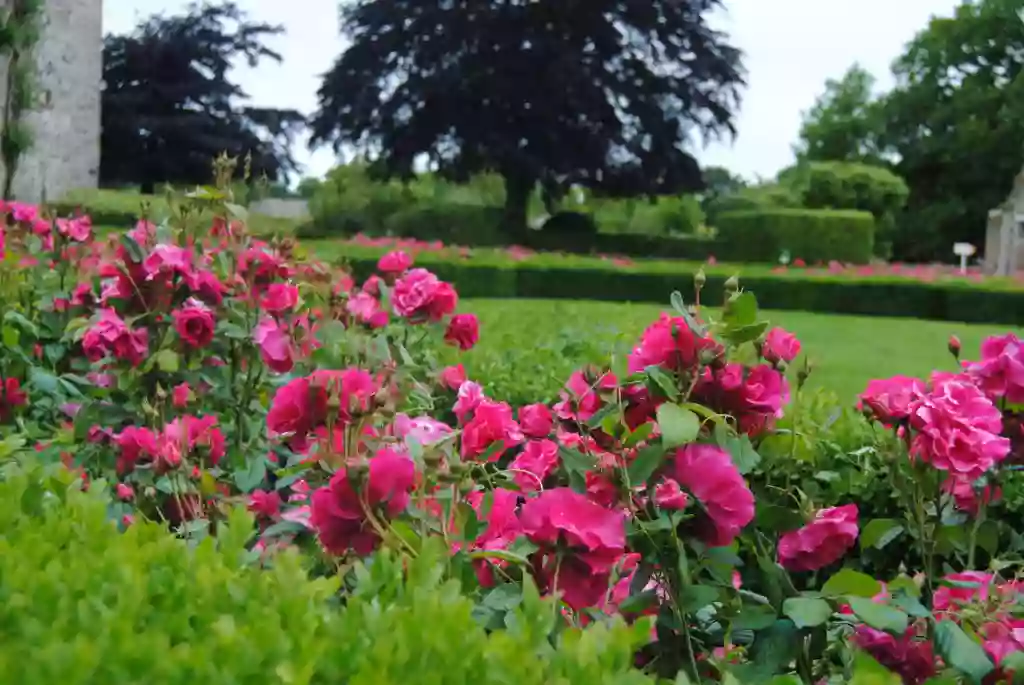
x=791, y=46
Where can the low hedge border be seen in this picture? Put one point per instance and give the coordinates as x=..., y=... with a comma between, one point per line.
x=904, y=298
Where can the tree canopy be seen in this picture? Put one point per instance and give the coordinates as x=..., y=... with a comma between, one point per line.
x=169, y=106
x=601, y=93
x=843, y=124
x=951, y=126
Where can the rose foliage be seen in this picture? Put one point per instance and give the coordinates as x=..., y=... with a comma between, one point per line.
x=189, y=371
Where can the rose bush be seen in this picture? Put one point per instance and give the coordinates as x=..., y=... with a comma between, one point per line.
x=195, y=371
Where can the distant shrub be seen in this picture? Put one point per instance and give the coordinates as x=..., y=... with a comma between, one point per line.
x=455, y=224
x=571, y=225
x=844, y=185
x=809, y=234
x=752, y=198
x=83, y=603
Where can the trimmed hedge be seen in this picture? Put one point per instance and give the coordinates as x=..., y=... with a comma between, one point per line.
x=83, y=603
x=809, y=234
x=825, y=294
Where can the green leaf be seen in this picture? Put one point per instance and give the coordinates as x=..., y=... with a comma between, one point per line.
x=576, y=461
x=642, y=432
x=754, y=617
x=132, y=248
x=739, y=447
x=878, y=533
x=167, y=360
x=961, y=652
x=678, y=426
x=741, y=309
x=696, y=597
x=879, y=616
x=43, y=380
x=807, y=612
x=867, y=671
x=850, y=582
x=251, y=477
x=662, y=380
x=646, y=463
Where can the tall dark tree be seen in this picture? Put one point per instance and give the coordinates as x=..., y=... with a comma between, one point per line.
x=169, y=106
x=607, y=94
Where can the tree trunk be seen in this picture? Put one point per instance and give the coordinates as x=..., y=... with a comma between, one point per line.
x=518, y=188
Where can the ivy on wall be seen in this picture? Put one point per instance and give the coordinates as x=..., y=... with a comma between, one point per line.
x=20, y=28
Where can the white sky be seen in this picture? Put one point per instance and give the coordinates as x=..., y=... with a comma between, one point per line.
x=791, y=46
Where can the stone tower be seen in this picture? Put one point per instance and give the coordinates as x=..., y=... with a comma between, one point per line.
x=65, y=121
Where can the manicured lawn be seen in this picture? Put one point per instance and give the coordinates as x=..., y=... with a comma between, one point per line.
x=529, y=347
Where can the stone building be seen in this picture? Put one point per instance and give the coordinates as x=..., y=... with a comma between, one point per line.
x=65, y=120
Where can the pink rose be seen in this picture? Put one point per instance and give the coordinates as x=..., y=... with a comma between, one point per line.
x=502, y=529
x=780, y=346
x=205, y=286
x=580, y=399
x=265, y=504
x=907, y=655
x=135, y=444
x=957, y=429
x=301, y=405
x=889, y=399
x=561, y=519
x=966, y=498
x=337, y=511
x=394, y=263
x=367, y=310
x=822, y=541
x=125, y=492
x=668, y=495
x=419, y=295
x=709, y=473
x=1000, y=373
x=167, y=260
x=463, y=331
x=275, y=345
x=469, y=398
x=111, y=336
x=423, y=429
x=280, y=298
x=78, y=229
x=492, y=422
x=536, y=420
x=194, y=324
x=452, y=377
x=669, y=342
x=180, y=395
x=537, y=461
x=971, y=587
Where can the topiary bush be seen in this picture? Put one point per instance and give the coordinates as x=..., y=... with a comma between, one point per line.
x=769, y=196
x=81, y=603
x=808, y=234
x=845, y=185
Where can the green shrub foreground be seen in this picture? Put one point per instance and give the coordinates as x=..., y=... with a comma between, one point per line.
x=81, y=602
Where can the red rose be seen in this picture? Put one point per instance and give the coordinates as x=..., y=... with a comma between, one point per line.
x=535, y=463
x=492, y=422
x=822, y=541
x=463, y=331
x=194, y=323
x=671, y=343
x=536, y=420
x=11, y=396
x=266, y=504
x=452, y=377
x=110, y=335
x=337, y=512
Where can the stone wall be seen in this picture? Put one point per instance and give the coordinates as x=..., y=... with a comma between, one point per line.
x=65, y=123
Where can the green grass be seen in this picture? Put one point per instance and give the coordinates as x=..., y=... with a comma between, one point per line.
x=529, y=347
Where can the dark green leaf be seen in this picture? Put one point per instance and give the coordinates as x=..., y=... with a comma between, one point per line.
x=251, y=477
x=754, y=617
x=878, y=533
x=663, y=381
x=43, y=380
x=646, y=463
x=850, y=582
x=132, y=248
x=879, y=616
x=961, y=652
x=807, y=612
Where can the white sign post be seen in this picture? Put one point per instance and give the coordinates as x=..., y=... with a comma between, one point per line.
x=963, y=251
